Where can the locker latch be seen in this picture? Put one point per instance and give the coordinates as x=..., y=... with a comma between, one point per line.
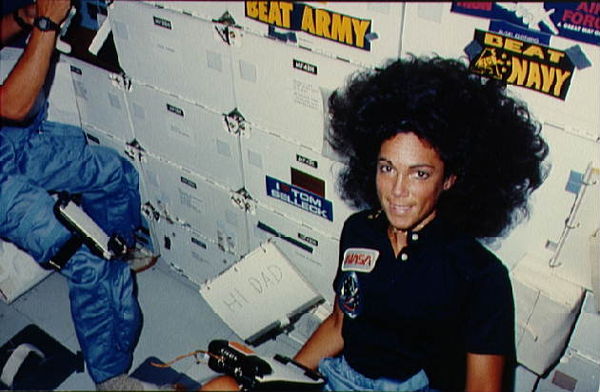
x=225, y=26
x=236, y=123
x=242, y=199
x=121, y=81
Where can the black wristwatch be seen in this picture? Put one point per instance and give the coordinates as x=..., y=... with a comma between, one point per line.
x=21, y=22
x=45, y=24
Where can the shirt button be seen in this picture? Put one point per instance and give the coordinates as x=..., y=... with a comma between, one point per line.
x=414, y=237
x=403, y=257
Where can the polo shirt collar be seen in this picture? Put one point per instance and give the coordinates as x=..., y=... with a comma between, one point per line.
x=433, y=232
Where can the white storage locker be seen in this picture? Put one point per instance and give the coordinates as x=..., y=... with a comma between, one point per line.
x=282, y=89
x=174, y=52
x=18, y=272
x=185, y=134
x=313, y=253
x=189, y=253
x=209, y=10
x=552, y=204
x=101, y=98
x=189, y=199
x=295, y=181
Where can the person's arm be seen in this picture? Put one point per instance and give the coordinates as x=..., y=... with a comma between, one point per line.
x=484, y=372
x=9, y=28
x=25, y=81
x=326, y=341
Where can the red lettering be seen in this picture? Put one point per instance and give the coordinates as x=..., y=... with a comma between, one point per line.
x=476, y=5
x=582, y=7
x=579, y=18
x=357, y=259
x=590, y=8
x=588, y=21
x=573, y=17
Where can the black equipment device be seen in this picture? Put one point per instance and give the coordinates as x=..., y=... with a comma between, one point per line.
x=84, y=231
x=258, y=373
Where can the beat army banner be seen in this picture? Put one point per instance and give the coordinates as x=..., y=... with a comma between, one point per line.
x=323, y=23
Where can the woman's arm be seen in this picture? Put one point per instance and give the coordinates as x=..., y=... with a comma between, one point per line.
x=484, y=372
x=326, y=341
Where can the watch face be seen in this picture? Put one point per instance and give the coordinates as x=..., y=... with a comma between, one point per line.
x=45, y=24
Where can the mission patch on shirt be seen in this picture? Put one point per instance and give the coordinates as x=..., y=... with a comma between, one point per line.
x=359, y=259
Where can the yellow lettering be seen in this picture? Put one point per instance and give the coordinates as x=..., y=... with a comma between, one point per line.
x=518, y=71
x=547, y=77
x=252, y=9
x=534, y=77
x=274, y=14
x=534, y=51
x=287, y=10
x=555, y=55
x=360, y=30
x=493, y=40
x=513, y=45
x=341, y=29
x=323, y=20
x=263, y=9
x=561, y=77
x=308, y=23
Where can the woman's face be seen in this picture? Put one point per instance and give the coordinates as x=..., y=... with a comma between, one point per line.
x=409, y=181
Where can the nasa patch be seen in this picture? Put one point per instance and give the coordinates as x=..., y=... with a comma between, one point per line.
x=359, y=259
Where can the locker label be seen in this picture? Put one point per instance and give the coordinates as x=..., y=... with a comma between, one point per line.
x=162, y=23
x=300, y=198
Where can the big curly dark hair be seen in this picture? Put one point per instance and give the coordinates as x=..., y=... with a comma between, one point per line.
x=486, y=138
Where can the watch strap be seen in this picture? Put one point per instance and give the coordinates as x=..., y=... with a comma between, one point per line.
x=50, y=24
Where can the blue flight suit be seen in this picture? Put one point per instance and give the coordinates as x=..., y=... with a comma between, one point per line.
x=45, y=156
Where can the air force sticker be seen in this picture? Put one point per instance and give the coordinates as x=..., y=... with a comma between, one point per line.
x=359, y=259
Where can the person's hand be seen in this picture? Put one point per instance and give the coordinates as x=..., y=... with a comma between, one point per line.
x=27, y=13
x=56, y=10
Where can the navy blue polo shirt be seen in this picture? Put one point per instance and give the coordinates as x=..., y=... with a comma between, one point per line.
x=443, y=296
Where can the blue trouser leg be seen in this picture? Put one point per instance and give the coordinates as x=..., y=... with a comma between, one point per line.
x=105, y=312
x=108, y=183
x=341, y=377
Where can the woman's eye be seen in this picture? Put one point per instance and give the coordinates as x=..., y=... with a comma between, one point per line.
x=384, y=168
x=421, y=174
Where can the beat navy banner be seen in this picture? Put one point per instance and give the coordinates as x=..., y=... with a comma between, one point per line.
x=579, y=21
x=524, y=64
